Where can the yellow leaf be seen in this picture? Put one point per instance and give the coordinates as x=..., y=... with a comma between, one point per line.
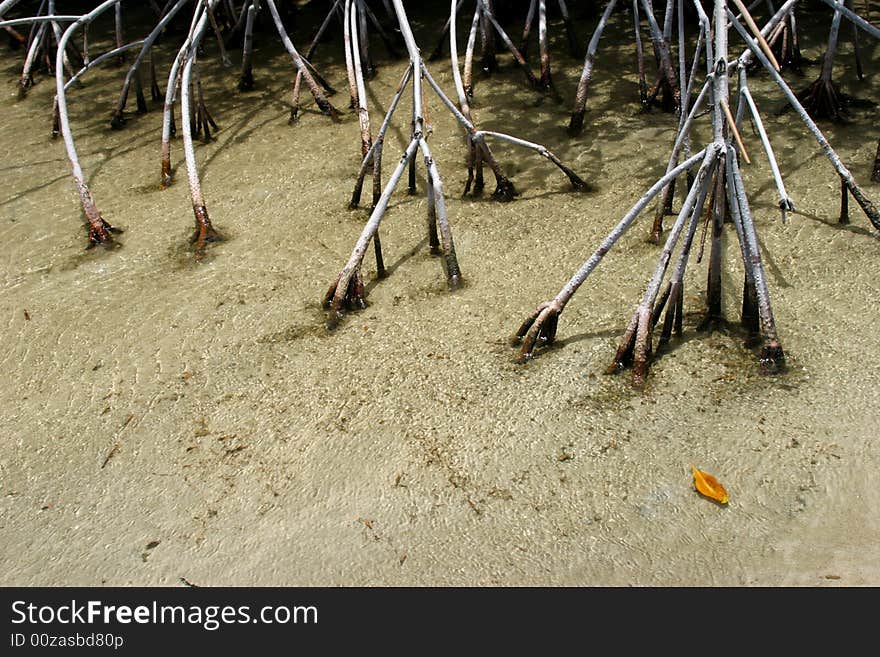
x=709, y=486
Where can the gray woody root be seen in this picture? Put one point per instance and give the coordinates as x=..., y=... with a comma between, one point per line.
x=664, y=205
x=204, y=231
x=487, y=24
x=347, y=291
x=846, y=177
x=180, y=78
x=573, y=47
x=100, y=232
x=717, y=180
x=540, y=327
x=576, y=122
x=686, y=117
x=667, y=74
x=852, y=16
x=133, y=74
x=822, y=98
x=301, y=65
x=718, y=171
x=478, y=150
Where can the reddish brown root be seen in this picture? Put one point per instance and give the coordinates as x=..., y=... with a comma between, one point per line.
x=823, y=100
x=479, y=184
x=538, y=330
x=204, y=233
x=545, y=82
x=656, y=233
x=668, y=98
x=674, y=296
x=475, y=172
x=16, y=39
x=620, y=362
x=353, y=299
x=865, y=203
x=578, y=184
x=640, y=373
x=167, y=177
x=643, y=95
x=101, y=233
x=355, y=200
x=784, y=44
x=623, y=357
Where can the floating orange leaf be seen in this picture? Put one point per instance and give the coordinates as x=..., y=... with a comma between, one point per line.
x=709, y=486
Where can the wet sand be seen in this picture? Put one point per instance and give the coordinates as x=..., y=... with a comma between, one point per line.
x=164, y=419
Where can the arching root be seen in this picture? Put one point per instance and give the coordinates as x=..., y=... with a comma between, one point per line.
x=785, y=45
x=823, y=100
x=539, y=330
x=337, y=303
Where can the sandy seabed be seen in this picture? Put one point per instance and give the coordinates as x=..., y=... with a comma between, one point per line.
x=164, y=420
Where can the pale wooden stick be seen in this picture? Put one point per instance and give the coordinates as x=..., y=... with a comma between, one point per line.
x=765, y=47
x=730, y=122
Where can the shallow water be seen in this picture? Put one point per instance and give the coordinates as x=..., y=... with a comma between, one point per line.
x=202, y=406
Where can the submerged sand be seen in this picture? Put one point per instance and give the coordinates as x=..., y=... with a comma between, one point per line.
x=163, y=419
